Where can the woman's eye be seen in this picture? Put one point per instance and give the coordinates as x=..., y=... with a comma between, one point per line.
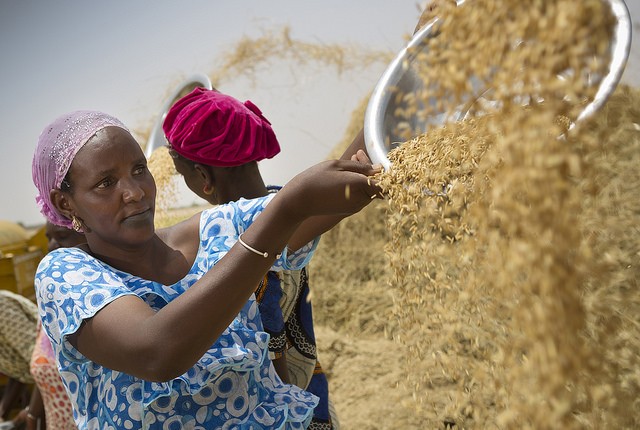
x=140, y=170
x=104, y=183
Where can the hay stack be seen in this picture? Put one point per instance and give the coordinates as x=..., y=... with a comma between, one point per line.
x=511, y=253
x=460, y=355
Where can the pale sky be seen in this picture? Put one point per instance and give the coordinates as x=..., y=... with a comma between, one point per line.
x=124, y=56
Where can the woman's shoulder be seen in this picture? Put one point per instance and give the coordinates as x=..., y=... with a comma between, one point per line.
x=244, y=207
x=69, y=261
x=183, y=236
x=235, y=213
x=68, y=257
x=191, y=230
x=185, y=230
x=74, y=253
x=240, y=207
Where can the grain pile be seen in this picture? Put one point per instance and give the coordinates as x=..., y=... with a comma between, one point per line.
x=161, y=167
x=514, y=307
x=462, y=343
x=495, y=223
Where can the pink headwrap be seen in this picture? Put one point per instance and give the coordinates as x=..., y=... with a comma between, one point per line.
x=58, y=144
x=212, y=128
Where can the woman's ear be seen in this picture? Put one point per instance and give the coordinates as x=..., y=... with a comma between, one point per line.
x=205, y=174
x=61, y=202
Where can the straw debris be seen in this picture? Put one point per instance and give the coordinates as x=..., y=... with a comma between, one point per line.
x=249, y=54
x=161, y=166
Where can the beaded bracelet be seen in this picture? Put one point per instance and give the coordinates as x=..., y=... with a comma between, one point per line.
x=255, y=251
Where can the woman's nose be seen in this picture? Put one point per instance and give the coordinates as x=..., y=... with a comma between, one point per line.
x=132, y=191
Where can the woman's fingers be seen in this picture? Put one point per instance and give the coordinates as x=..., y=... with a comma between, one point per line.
x=362, y=164
x=361, y=157
x=359, y=163
x=334, y=187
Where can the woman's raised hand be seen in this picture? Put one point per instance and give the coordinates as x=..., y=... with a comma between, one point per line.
x=334, y=187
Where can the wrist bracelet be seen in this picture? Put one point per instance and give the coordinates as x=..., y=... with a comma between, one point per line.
x=30, y=416
x=255, y=251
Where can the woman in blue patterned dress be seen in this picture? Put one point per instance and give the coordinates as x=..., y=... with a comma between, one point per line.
x=159, y=329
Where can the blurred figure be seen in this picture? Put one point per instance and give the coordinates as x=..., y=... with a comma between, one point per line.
x=62, y=237
x=50, y=407
x=18, y=322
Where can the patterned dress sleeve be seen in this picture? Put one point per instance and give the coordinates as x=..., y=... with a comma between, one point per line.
x=72, y=286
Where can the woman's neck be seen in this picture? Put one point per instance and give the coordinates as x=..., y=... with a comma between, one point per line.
x=153, y=261
x=239, y=182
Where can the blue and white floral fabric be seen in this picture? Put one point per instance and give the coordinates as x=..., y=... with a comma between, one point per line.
x=233, y=386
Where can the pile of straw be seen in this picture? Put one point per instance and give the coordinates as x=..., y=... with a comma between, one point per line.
x=493, y=326
x=512, y=277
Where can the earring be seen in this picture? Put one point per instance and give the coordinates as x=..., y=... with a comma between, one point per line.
x=208, y=190
x=76, y=224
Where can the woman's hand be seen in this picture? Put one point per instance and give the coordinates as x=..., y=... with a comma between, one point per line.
x=335, y=187
x=361, y=157
x=328, y=192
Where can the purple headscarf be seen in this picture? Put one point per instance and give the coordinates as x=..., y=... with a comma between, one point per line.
x=58, y=144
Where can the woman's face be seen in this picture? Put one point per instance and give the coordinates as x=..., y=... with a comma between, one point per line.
x=112, y=191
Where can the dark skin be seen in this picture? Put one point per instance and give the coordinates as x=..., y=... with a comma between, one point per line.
x=12, y=391
x=115, y=204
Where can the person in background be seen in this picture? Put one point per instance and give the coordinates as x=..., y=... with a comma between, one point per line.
x=17, y=344
x=159, y=329
x=62, y=237
x=216, y=142
x=50, y=407
x=18, y=322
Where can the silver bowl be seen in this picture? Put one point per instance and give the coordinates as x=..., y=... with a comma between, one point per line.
x=157, y=138
x=381, y=125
